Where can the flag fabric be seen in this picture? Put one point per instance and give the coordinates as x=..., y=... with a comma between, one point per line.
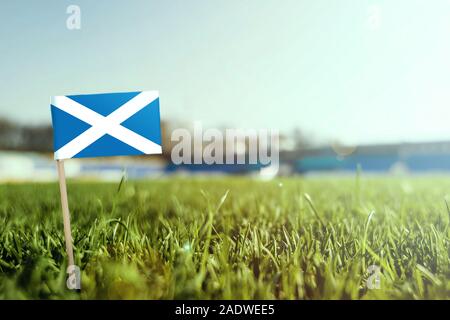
x=106, y=124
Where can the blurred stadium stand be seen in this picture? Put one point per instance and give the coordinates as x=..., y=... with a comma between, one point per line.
x=387, y=158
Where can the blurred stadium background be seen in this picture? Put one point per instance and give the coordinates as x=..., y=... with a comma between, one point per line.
x=26, y=154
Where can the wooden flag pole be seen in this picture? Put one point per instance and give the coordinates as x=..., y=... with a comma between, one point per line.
x=65, y=210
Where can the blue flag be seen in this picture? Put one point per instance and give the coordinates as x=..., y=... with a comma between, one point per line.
x=106, y=124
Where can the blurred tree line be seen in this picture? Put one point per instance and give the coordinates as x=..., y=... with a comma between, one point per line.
x=39, y=138
x=14, y=136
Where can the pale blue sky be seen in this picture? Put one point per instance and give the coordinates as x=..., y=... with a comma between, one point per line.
x=314, y=64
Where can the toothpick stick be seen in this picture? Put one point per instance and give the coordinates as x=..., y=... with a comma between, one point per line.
x=65, y=210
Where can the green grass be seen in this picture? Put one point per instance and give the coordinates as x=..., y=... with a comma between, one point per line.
x=229, y=238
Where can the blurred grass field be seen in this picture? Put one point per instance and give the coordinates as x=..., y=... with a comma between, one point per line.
x=229, y=238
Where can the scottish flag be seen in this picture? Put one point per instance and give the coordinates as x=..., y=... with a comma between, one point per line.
x=106, y=124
